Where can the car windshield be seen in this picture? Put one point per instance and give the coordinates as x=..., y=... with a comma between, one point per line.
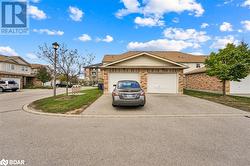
x=128, y=85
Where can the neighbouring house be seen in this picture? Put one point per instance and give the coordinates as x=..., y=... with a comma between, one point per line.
x=34, y=70
x=199, y=80
x=17, y=69
x=92, y=73
x=156, y=71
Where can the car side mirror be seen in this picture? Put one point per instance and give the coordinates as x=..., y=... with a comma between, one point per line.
x=114, y=85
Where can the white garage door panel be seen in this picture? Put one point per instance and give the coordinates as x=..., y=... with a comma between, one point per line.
x=240, y=87
x=162, y=83
x=17, y=80
x=115, y=77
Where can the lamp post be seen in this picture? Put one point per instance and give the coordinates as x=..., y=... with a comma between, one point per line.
x=55, y=46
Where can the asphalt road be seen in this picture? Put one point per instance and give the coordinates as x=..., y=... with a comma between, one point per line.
x=59, y=141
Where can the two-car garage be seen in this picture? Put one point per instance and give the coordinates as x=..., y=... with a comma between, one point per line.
x=155, y=73
x=156, y=82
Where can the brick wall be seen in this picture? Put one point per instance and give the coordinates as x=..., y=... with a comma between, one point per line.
x=143, y=76
x=36, y=82
x=203, y=82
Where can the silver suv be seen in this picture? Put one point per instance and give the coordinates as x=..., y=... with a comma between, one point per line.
x=8, y=85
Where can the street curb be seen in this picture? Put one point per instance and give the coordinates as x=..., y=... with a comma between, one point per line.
x=27, y=109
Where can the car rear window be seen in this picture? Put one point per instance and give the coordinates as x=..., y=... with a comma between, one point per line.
x=128, y=85
x=11, y=82
x=2, y=82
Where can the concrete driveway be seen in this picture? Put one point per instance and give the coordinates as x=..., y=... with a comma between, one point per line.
x=61, y=141
x=161, y=104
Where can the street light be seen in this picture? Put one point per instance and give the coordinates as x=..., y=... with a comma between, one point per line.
x=55, y=46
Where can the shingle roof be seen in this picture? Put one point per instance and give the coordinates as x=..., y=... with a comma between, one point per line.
x=195, y=71
x=13, y=59
x=170, y=55
x=36, y=66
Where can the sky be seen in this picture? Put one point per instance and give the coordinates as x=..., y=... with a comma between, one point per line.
x=116, y=26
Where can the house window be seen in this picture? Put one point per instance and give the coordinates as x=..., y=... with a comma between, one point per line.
x=93, y=73
x=22, y=68
x=26, y=68
x=198, y=65
x=12, y=67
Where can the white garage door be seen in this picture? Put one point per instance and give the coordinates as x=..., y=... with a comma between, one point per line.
x=162, y=83
x=240, y=87
x=17, y=80
x=115, y=77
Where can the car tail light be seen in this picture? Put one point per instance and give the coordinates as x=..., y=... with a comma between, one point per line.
x=115, y=94
x=142, y=93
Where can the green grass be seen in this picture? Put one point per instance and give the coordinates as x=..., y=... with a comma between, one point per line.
x=63, y=104
x=242, y=103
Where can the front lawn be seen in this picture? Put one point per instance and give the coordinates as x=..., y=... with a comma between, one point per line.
x=63, y=104
x=242, y=103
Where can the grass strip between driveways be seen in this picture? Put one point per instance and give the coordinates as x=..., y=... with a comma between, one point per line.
x=242, y=103
x=63, y=103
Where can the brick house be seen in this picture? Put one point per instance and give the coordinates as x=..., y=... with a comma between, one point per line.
x=17, y=69
x=156, y=71
x=34, y=70
x=199, y=80
x=92, y=73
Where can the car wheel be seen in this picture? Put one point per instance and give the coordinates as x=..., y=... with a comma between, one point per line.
x=1, y=89
x=113, y=105
x=14, y=90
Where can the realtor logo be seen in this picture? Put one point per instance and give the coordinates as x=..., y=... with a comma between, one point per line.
x=14, y=20
x=4, y=162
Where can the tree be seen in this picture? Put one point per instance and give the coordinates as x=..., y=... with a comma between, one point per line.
x=69, y=62
x=229, y=64
x=43, y=75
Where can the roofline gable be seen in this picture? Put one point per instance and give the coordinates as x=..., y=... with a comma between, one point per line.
x=144, y=53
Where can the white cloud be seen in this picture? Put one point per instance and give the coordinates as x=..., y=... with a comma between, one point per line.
x=158, y=8
x=204, y=25
x=150, y=22
x=226, y=26
x=49, y=32
x=7, y=50
x=197, y=53
x=160, y=44
x=31, y=56
x=36, y=13
x=246, y=24
x=246, y=3
x=107, y=39
x=221, y=42
x=75, y=13
x=35, y=1
x=228, y=1
x=84, y=37
x=188, y=34
x=131, y=6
